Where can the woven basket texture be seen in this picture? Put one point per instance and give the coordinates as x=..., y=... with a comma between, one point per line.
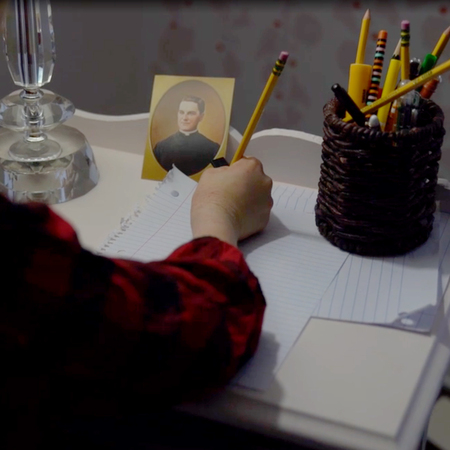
x=377, y=190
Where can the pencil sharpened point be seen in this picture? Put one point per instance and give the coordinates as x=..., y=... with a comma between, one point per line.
x=283, y=56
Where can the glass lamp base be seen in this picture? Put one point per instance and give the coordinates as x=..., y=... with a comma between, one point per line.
x=24, y=151
x=72, y=174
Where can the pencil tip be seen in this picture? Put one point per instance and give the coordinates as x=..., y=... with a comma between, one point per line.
x=367, y=14
x=447, y=31
x=283, y=56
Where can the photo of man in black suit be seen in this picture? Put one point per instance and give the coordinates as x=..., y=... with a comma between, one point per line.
x=188, y=149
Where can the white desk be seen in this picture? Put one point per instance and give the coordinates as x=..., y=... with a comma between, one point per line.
x=343, y=384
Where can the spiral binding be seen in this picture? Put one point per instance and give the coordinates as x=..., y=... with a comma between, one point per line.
x=127, y=221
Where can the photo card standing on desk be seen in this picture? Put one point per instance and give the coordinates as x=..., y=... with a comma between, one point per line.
x=188, y=126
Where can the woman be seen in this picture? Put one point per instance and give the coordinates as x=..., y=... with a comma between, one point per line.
x=89, y=335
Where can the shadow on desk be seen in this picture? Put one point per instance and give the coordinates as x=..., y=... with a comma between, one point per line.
x=175, y=429
x=168, y=431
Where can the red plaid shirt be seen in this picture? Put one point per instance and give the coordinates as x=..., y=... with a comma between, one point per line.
x=163, y=330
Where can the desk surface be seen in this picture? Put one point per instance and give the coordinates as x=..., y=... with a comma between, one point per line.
x=344, y=384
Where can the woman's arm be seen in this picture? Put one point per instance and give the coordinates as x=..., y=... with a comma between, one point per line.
x=166, y=329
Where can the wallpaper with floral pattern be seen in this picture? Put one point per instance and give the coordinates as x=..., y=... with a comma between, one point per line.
x=108, y=52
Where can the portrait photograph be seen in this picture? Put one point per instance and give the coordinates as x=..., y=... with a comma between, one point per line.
x=188, y=125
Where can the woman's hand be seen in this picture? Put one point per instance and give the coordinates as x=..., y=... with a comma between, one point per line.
x=232, y=202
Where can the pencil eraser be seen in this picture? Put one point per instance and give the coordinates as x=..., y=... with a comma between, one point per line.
x=405, y=25
x=283, y=56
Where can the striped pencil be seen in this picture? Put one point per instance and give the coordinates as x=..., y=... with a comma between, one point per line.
x=390, y=83
x=377, y=67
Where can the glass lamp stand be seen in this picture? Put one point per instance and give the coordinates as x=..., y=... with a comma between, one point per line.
x=40, y=159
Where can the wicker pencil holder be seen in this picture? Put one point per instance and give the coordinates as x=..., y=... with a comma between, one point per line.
x=377, y=190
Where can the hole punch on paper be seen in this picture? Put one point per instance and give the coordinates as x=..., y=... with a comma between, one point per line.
x=174, y=193
x=407, y=321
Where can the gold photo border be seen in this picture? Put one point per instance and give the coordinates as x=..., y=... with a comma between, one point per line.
x=224, y=87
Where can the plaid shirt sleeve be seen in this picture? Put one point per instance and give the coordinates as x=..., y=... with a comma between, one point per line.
x=168, y=330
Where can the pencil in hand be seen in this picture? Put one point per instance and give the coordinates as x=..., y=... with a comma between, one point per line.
x=271, y=82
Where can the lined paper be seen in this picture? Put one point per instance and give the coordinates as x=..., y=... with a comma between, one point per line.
x=294, y=266
x=162, y=225
x=293, y=263
x=402, y=292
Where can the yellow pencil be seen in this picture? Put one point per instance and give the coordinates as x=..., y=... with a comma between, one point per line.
x=363, y=35
x=271, y=82
x=390, y=83
x=417, y=82
x=360, y=74
x=438, y=49
x=404, y=51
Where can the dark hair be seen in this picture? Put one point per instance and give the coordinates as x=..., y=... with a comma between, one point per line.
x=200, y=102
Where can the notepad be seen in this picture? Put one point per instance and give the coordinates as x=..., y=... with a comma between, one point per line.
x=293, y=263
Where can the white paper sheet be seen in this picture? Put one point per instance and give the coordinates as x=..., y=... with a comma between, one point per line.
x=402, y=292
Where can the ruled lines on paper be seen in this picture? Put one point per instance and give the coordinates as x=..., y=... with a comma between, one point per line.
x=402, y=292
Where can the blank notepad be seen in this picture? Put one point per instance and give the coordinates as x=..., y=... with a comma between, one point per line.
x=293, y=263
